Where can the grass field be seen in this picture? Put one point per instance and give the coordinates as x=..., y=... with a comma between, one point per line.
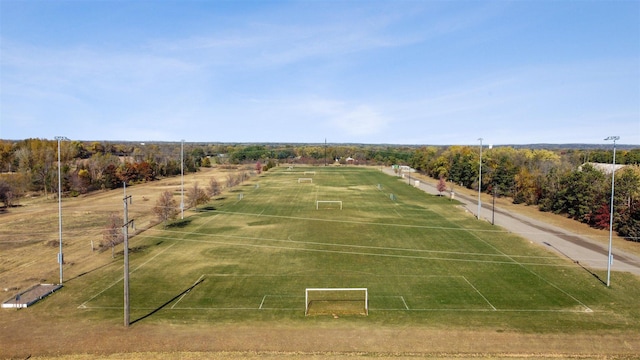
x=250, y=255
x=229, y=280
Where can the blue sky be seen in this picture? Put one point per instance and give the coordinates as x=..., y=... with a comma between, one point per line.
x=393, y=72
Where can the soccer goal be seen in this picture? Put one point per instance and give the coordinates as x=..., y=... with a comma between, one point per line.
x=328, y=204
x=309, y=172
x=333, y=301
x=302, y=180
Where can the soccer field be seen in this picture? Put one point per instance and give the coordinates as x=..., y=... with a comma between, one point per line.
x=422, y=258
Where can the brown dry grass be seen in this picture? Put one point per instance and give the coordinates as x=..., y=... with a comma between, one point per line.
x=28, y=248
x=29, y=236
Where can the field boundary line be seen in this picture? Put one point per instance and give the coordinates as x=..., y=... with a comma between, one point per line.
x=587, y=309
x=83, y=305
x=361, y=222
x=404, y=302
x=188, y=291
x=361, y=253
x=479, y=293
x=290, y=240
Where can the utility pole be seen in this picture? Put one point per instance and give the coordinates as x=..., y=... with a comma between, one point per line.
x=125, y=231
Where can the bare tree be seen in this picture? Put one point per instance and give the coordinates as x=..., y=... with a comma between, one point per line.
x=112, y=234
x=166, y=207
x=197, y=196
x=214, y=188
x=232, y=180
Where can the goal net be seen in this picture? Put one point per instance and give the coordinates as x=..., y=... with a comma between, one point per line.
x=328, y=204
x=333, y=301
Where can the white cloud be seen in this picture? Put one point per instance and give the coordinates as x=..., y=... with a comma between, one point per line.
x=359, y=121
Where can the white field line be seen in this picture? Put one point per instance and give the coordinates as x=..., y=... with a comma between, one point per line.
x=376, y=224
x=370, y=309
x=185, y=294
x=587, y=309
x=479, y=293
x=404, y=302
x=363, y=222
x=486, y=310
x=406, y=307
x=384, y=248
x=264, y=298
x=83, y=305
x=262, y=246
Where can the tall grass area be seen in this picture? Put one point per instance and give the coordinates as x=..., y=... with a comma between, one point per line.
x=248, y=257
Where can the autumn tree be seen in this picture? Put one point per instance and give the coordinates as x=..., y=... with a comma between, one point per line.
x=214, y=188
x=197, y=196
x=166, y=207
x=112, y=234
x=442, y=185
x=6, y=193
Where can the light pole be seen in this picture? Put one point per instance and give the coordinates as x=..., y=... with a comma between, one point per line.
x=613, y=175
x=60, y=257
x=480, y=180
x=182, y=179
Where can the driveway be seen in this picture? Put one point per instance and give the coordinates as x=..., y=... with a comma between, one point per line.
x=582, y=250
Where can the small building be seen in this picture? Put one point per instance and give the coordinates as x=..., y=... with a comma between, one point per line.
x=603, y=167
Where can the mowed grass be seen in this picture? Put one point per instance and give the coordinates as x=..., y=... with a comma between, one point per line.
x=249, y=256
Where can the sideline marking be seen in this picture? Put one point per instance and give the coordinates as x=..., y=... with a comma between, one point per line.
x=84, y=304
x=404, y=302
x=479, y=293
x=188, y=291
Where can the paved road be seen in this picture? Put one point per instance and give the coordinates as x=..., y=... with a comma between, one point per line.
x=582, y=250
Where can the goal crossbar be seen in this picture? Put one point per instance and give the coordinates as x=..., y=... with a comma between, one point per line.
x=364, y=298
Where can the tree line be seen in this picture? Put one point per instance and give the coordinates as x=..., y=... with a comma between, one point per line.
x=555, y=179
x=31, y=165
x=576, y=183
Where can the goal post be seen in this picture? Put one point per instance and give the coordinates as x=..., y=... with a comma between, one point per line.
x=301, y=180
x=309, y=172
x=331, y=203
x=332, y=301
